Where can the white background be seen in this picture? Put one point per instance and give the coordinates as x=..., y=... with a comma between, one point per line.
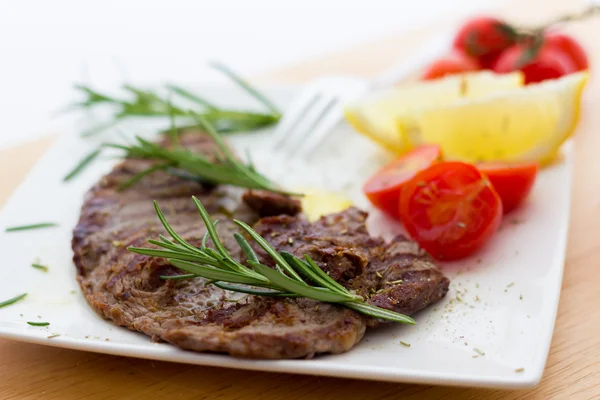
x=46, y=46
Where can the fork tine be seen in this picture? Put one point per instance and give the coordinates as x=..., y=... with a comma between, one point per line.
x=294, y=115
x=320, y=130
x=311, y=119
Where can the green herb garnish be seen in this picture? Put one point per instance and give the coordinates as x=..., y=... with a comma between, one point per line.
x=40, y=266
x=148, y=103
x=226, y=169
x=217, y=265
x=32, y=226
x=85, y=161
x=405, y=344
x=38, y=323
x=13, y=300
x=246, y=86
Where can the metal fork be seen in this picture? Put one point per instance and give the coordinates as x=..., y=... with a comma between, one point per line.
x=319, y=107
x=316, y=110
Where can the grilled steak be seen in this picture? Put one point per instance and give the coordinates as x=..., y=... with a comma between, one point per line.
x=125, y=287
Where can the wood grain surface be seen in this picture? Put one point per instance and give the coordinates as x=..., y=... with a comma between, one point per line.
x=573, y=370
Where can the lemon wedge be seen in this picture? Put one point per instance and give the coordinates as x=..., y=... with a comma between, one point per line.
x=376, y=115
x=521, y=124
x=317, y=202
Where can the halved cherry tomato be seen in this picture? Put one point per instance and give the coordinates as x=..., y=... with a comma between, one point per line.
x=454, y=63
x=569, y=46
x=450, y=209
x=512, y=182
x=548, y=63
x=383, y=188
x=484, y=38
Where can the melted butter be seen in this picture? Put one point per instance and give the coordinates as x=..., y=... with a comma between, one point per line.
x=318, y=202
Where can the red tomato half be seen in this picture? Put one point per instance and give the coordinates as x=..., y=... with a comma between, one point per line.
x=484, y=38
x=569, y=46
x=383, y=188
x=549, y=63
x=450, y=209
x=454, y=63
x=512, y=182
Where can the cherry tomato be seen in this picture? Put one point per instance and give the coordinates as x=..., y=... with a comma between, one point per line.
x=569, y=46
x=549, y=63
x=484, y=38
x=453, y=63
x=512, y=182
x=383, y=188
x=450, y=209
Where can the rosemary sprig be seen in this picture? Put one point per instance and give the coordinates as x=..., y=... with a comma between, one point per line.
x=217, y=265
x=147, y=103
x=32, y=226
x=13, y=300
x=226, y=170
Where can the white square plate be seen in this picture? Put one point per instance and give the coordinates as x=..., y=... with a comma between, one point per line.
x=502, y=302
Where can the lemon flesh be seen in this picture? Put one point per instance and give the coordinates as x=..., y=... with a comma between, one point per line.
x=377, y=115
x=524, y=124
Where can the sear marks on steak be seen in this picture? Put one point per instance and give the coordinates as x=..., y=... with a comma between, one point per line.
x=398, y=275
x=126, y=288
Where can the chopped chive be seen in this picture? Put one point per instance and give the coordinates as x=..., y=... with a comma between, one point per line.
x=519, y=370
x=13, y=300
x=40, y=266
x=54, y=335
x=38, y=323
x=32, y=226
x=403, y=343
x=82, y=164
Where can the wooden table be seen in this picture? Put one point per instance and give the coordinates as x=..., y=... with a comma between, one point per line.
x=573, y=370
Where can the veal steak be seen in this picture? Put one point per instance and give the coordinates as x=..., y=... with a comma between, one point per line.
x=125, y=288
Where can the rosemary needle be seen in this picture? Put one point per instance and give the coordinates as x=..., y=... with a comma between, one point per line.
x=40, y=267
x=32, y=226
x=192, y=96
x=246, y=86
x=13, y=300
x=83, y=164
x=38, y=323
